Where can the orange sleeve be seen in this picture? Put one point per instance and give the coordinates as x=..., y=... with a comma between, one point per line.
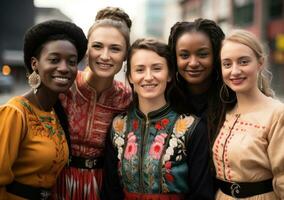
x=12, y=127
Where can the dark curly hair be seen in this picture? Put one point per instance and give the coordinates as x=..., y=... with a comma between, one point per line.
x=216, y=36
x=51, y=30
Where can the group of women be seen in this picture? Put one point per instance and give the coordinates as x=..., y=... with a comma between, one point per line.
x=199, y=120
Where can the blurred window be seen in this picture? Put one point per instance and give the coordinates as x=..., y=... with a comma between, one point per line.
x=276, y=9
x=243, y=12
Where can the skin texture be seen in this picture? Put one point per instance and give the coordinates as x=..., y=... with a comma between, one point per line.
x=195, y=60
x=106, y=52
x=240, y=68
x=56, y=65
x=149, y=75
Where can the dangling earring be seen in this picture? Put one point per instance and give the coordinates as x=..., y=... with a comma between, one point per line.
x=260, y=82
x=224, y=91
x=177, y=77
x=34, y=81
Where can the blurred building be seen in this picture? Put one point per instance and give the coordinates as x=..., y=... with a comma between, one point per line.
x=15, y=19
x=263, y=18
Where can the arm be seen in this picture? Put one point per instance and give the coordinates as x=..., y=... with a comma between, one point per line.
x=200, y=176
x=11, y=133
x=112, y=188
x=275, y=152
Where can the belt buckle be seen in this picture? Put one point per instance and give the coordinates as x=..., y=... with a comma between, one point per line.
x=44, y=194
x=235, y=189
x=90, y=163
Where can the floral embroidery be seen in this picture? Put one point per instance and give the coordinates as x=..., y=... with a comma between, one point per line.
x=157, y=146
x=131, y=147
x=182, y=125
x=119, y=125
x=160, y=125
x=168, y=175
x=135, y=124
x=177, y=139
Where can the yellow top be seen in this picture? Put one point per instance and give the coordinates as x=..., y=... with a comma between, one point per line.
x=33, y=147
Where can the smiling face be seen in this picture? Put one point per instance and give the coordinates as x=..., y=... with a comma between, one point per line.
x=149, y=75
x=56, y=65
x=106, y=51
x=240, y=67
x=194, y=58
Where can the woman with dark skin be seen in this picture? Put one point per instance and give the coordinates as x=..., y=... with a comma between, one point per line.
x=33, y=129
x=195, y=47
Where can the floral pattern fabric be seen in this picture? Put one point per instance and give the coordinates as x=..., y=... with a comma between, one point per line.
x=151, y=152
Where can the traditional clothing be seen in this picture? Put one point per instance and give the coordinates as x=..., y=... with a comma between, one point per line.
x=33, y=147
x=163, y=155
x=89, y=120
x=249, y=148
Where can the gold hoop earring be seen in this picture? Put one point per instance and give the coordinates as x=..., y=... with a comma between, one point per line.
x=34, y=81
x=224, y=91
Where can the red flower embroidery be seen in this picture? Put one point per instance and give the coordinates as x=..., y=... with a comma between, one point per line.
x=162, y=124
x=135, y=125
x=168, y=165
x=156, y=150
x=169, y=177
x=131, y=149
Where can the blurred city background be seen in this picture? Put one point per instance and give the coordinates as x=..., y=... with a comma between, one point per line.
x=151, y=18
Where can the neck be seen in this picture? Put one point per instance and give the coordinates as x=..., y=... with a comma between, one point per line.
x=199, y=88
x=148, y=105
x=98, y=83
x=43, y=100
x=250, y=101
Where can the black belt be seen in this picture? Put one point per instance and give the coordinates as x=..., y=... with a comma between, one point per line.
x=245, y=189
x=28, y=192
x=86, y=163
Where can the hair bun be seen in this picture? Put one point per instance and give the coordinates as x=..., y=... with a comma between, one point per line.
x=114, y=13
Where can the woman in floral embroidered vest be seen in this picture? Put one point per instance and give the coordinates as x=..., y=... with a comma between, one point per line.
x=92, y=102
x=33, y=128
x=154, y=152
x=248, y=151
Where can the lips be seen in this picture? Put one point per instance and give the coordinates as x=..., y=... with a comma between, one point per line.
x=194, y=72
x=149, y=86
x=237, y=81
x=104, y=65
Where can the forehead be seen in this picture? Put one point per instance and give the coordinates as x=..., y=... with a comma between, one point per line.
x=193, y=39
x=232, y=49
x=59, y=47
x=145, y=57
x=107, y=34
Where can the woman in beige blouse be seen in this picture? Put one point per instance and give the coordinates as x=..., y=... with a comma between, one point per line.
x=248, y=151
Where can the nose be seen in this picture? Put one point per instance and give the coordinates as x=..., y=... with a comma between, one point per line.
x=193, y=61
x=235, y=69
x=105, y=54
x=63, y=67
x=148, y=75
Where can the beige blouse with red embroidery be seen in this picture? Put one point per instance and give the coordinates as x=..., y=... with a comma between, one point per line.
x=33, y=147
x=250, y=148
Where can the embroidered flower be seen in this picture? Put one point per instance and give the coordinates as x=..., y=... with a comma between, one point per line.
x=157, y=146
x=168, y=165
x=131, y=137
x=135, y=124
x=169, y=177
x=130, y=150
x=182, y=125
x=119, y=125
x=162, y=124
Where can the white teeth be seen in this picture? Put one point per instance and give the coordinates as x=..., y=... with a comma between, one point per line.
x=61, y=79
x=148, y=86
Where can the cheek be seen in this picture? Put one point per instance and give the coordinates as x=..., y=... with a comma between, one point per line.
x=181, y=64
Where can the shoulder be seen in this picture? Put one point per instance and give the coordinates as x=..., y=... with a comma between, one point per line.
x=121, y=88
x=17, y=103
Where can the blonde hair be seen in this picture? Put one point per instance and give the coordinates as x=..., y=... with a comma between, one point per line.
x=247, y=38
